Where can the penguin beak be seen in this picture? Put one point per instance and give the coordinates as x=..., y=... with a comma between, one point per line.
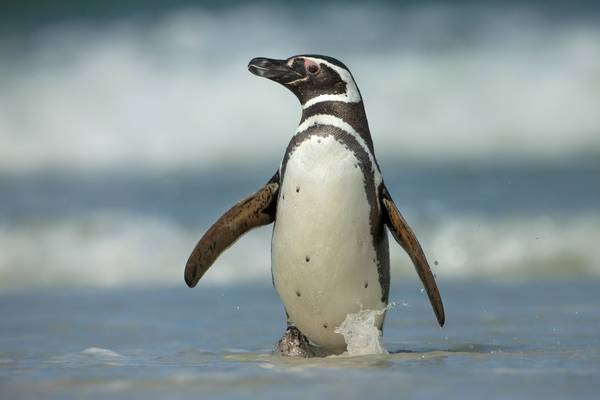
x=275, y=70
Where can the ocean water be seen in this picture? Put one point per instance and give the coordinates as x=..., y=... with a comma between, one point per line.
x=94, y=305
x=535, y=340
x=459, y=81
x=119, y=230
x=126, y=130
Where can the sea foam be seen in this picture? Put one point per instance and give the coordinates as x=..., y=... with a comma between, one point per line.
x=115, y=249
x=440, y=82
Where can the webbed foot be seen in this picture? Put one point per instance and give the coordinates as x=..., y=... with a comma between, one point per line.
x=294, y=344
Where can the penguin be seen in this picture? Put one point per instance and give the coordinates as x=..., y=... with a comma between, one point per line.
x=331, y=211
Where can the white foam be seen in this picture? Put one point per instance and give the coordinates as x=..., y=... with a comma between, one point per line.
x=159, y=95
x=514, y=247
x=100, y=352
x=116, y=250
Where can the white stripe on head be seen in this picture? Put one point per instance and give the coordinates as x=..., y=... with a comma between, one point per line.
x=330, y=120
x=352, y=94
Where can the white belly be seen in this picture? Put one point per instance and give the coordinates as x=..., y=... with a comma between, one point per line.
x=323, y=258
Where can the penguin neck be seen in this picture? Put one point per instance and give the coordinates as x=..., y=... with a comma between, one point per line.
x=351, y=113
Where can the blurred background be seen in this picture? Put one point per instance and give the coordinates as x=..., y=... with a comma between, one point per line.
x=128, y=127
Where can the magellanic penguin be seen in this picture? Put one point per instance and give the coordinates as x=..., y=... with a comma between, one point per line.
x=329, y=251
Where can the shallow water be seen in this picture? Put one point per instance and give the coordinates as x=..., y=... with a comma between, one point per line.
x=502, y=340
x=121, y=142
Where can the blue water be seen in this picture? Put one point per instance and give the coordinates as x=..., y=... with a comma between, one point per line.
x=196, y=196
x=522, y=340
x=127, y=129
x=115, y=229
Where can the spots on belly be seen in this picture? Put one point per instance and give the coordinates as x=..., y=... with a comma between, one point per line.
x=372, y=186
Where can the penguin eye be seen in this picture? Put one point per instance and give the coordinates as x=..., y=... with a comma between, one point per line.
x=312, y=67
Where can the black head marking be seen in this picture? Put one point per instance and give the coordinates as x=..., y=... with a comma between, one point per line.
x=308, y=76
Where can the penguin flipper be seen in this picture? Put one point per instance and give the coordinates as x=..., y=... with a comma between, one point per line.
x=255, y=210
x=407, y=239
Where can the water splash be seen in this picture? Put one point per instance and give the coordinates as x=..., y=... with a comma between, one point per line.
x=360, y=333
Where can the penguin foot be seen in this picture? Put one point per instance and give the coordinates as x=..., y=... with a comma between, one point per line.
x=294, y=344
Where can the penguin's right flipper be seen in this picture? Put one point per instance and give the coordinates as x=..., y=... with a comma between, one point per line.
x=256, y=210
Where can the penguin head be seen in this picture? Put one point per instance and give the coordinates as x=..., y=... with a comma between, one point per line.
x=312, y=78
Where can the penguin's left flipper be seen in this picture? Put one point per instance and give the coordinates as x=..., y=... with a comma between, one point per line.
x=256, y=210
x=407, y=239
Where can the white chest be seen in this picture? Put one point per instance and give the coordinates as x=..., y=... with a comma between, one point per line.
x=323, y=258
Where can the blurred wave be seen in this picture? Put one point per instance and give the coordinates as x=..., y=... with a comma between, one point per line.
x=123, y=136
x=114, y=249
x=441, y=82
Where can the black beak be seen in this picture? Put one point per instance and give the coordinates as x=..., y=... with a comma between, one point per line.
x=276, y=70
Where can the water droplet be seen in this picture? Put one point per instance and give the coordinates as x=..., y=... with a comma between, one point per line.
x=422, y=290
x=404, y=304
x=435, y=262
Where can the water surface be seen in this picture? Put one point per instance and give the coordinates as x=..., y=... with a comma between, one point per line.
x=534, y=340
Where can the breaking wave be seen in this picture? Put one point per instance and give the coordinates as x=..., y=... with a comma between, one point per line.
x=441, y=82
x=107, y=249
